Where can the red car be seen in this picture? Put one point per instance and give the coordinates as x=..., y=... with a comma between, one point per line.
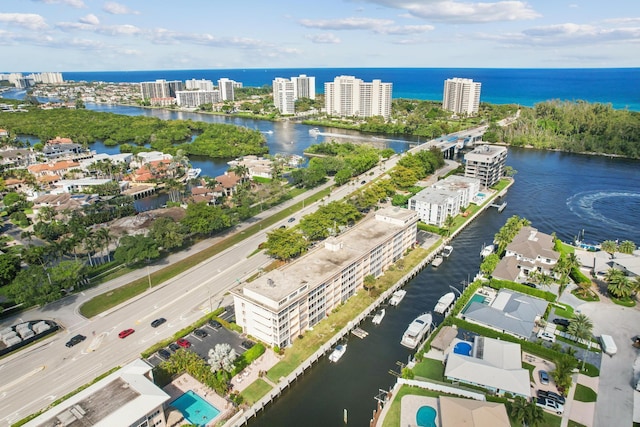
x=183, y=343
x=126, y=333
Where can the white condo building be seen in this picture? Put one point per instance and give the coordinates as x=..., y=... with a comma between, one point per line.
x=284, y=95
x=486, y=163
x=462, y=96
x=349, y=96
x=227, y=88
x=304, y=87
x=282, y=304
x=195, y=98
x=201, y=84
x=160, y=89
x=446, y=197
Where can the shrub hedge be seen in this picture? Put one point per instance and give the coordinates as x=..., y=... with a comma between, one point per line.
x=539, y=293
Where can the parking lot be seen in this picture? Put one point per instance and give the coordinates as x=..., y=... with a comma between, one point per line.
x=211, y=334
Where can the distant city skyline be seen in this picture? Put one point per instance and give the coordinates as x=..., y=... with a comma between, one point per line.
x=94, y=35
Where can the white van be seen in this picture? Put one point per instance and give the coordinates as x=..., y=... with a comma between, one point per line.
x=608, y=345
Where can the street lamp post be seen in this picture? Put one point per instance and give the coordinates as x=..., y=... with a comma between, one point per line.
x=149, y=276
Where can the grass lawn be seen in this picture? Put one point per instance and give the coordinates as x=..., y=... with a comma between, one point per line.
x=550, y=420
x=575, y=424
x=566, y=312
x=530, y=368
x=255, y=391
x=585, y=394
x=430, y=368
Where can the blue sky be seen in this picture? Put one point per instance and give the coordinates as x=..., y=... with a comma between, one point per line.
x=86, y=35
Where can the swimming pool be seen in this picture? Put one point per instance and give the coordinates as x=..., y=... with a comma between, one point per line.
x=195, y=409
x=475, y=298
x=426, y=417
x=463, y=348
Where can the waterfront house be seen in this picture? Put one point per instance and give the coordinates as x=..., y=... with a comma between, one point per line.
x=457, y=412
x=17, y=157
x=433, y=206
x=282, y=304
x=493, y=364
x=229, y=182
x=58, y=169
x=529, y=251
x=510, y=312
x=486, y=163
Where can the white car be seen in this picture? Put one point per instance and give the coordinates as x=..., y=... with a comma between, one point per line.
x=550, y=404
x=545, y=335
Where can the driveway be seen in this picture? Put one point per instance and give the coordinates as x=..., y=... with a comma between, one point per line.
x=615, y=394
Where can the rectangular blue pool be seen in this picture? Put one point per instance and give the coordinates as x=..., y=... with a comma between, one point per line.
x=195, y=409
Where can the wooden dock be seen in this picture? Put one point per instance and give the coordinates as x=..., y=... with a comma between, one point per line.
x=360, y=333
x=500, y=207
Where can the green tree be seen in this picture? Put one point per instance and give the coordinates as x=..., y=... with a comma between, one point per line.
x=168, y=233
x=33, y=286
x=133, y=249
x=618, y=284
x=449, y=222
x=489, y=264
x=518, y=409
x=627, y=247
x=203, y=219
x=581, y=327
x=67, y=274
x=285, y=243
x=609, y=246
x=562, y=373
x=9, y=267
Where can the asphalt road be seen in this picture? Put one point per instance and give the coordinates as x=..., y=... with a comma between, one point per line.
x=34, y=377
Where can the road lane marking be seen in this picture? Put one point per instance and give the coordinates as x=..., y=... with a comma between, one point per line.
x=22, y=378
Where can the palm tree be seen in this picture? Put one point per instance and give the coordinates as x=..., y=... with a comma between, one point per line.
x=103, y=239
x=581, y=327
x=562, y=373
x=518, y=409
x=627, y=247
x=618, y=284
x=534, y=415
x=449, y=223
x=609, y=246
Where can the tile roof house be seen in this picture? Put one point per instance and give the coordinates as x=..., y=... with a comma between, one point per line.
x=48, y=169
x=229, y=182
x=155, y=169
x=493, y=364
x=17, y=157
x=457, y=412
x=529, y=251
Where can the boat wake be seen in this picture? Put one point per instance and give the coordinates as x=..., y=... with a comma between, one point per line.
x=587, y=205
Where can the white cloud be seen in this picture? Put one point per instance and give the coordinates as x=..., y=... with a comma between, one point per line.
x=90, y=19
x=405, y=29
x=164, y=36
x=31, y=21
x=78, y=4
x=119, y=30
x=118, y=9
x=346, y=23
x=323, y=38
x=464, y=12
x=623, y=21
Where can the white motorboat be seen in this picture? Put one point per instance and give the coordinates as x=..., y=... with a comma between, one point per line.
x=397, y=296
x=487, y=250
x=416, y=330
x=446, y=251
x=377, y=319
x=314, y=132
x=337, y=353
x=437, y=261
x=445, y=302
x=193, y=173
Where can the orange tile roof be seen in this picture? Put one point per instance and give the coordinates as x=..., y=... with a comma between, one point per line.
x=59, y=140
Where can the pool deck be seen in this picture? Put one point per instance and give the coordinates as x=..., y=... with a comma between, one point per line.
x=186, y=382
x=409, y=409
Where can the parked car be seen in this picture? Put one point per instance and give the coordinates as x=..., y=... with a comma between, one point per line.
x=246, y=344
x=158, y=322
x=544, y=377
x=77, y=339
x=531, y=285
x=183, y=343
x=550, y=404
x=560, y=321
x=363, y=182
x=291, y=219
x=126, y=333
x=174, y=347
x=164, y=354
x=551, y=395
x=200, y=333
x=215, y=324
x=546, y=335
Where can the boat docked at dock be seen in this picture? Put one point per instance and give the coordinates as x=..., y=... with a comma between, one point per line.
x=193, y=173
x=397, y=296
x=487, y=250
x=337, y=353
x=437, y=261
x=377, y=319
x=446, y=251
x=444, y=303
x=417, y=330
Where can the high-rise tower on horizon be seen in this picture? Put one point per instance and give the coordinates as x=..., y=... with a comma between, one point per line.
x=462, y=96
x=284, y=95
x=349, y=96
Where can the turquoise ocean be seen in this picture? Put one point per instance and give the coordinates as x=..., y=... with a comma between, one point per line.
x=619, y=87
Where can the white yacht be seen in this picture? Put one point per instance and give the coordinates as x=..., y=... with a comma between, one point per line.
x=416, y=330
x=487, y=250
x=337, y=353
x=446, y=251
x=397, y=296
x=377, y=319
x=193, y=173
x=445, y=302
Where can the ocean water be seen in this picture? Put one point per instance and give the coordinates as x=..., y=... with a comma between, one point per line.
x=617, y=86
